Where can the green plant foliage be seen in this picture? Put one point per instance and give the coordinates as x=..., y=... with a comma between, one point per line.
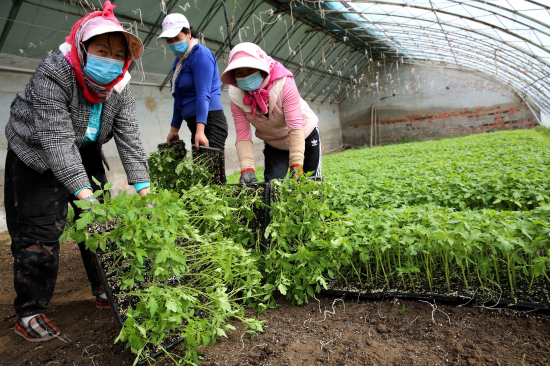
x=413, y=249
x=375, y=230
x=169, y=171
x=545, y=131
x=294, y=264
x=503, y=170
x=456, y=216
x=175, y=256
x=408, y=139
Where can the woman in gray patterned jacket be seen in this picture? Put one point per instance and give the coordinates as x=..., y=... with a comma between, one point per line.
x=77, y=100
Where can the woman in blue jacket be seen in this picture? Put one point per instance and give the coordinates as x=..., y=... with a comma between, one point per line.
x=195, y=86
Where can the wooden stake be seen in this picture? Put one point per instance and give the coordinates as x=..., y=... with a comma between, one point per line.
x=375, y=118
x=371, y=123
x=379, y=133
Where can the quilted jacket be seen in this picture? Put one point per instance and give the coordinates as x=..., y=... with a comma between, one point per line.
x=49, y=119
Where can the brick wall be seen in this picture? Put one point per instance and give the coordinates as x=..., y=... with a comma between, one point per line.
x=437, y=125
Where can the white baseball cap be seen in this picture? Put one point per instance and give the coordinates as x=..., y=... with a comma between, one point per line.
x=172, y=25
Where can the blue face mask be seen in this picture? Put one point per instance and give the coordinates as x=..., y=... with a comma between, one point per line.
x=103, y=70
x=251, y=82
x=179, y=48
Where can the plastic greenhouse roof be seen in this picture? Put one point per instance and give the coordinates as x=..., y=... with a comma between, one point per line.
x=509, y=40
x=327, y=44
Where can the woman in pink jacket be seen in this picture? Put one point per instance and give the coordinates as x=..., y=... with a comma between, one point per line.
x=263, y=93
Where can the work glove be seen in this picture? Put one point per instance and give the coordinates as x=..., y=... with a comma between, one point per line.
x=90, y=198
x=247, y=177
x=295, y=171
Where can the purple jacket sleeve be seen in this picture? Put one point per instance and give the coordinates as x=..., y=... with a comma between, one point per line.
x=203, y=70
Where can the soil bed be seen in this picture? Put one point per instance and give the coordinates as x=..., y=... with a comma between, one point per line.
x=366, y=333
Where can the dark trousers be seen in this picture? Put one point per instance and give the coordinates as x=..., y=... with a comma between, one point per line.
x=276, y=162
x=215, y=130
x=36, y=212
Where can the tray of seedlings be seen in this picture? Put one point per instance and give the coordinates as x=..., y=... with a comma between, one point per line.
x=485, y=280
x=170, y=166
x=487, y=257
x=173, y=167
x=112, y=267
x=252, y=201
x=177, y=146
x=123, y=290
x=214, y=160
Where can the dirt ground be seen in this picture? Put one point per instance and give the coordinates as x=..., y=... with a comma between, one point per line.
x=351, y=333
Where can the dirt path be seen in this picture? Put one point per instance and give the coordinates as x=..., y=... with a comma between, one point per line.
x=364, y=333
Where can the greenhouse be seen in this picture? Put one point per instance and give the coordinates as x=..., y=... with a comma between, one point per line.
x=356, y=182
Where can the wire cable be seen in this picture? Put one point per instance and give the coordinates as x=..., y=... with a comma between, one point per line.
x=227, y=25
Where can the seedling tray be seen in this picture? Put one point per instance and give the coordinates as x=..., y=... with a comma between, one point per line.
x=120, y=307
x=456, y=297
x=178, y=146
x=262, y=213
x=216, y=162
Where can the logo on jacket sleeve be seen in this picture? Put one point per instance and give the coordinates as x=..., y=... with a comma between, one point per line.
x=314, y=142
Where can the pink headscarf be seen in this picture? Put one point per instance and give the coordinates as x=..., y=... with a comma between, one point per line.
x=92, y=24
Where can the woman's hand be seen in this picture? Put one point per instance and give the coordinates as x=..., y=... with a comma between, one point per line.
x=144, y=191
x=200, y=137
x=174, y=135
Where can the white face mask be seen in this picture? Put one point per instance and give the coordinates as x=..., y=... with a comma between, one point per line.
x=102, y=70
x=251, y=82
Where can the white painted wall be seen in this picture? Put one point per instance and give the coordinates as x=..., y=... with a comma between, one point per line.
x=416, y=89
x=411, y=90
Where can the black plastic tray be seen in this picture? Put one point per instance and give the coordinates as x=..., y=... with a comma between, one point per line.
x=266, y=209
x=458, y=298
x=217, y=167
x=115, y=308
x=178, y=146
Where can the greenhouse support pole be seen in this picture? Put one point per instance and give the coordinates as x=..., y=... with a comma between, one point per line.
x=227, y=25
x=379, y=133
x=371, y=123
x=375, y=118
x=14, y=9
x=532, y=111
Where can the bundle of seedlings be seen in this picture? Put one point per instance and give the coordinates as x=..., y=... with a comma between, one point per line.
x=171, y=269
x=298, y=217
x=214, y=161
x=173, y=168
x=251, y=208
